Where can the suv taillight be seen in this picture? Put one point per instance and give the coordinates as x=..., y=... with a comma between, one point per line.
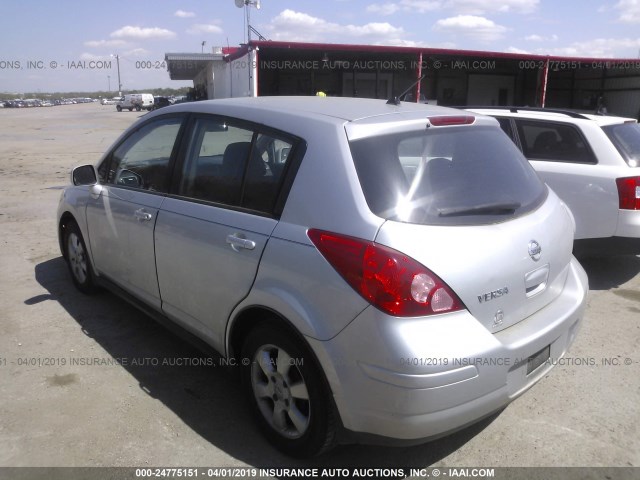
x=387, y=279
x=629, y=193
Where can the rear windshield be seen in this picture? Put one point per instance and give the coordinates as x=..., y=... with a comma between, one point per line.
x=446, y=176
x=626, y=138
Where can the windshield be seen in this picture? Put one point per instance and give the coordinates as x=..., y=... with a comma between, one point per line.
x=446, y=176
x=626, y=138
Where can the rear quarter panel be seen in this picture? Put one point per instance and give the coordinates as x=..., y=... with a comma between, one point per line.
x=293, y=278
x=588, y=190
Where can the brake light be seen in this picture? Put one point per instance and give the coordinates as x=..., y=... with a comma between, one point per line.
x=389, y=280
x=444, y=121
x=629, y=193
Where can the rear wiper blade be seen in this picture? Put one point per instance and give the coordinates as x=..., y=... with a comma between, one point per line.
x=485, y=209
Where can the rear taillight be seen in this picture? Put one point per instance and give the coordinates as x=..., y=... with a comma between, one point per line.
x=629, y=193
x=386, y=278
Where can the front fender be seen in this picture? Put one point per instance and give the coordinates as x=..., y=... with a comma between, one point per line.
x=73, y=206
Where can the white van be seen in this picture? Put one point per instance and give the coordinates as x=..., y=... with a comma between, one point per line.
x=139, y=101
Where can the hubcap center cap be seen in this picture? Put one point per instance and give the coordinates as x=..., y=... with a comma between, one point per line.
x=280, y=389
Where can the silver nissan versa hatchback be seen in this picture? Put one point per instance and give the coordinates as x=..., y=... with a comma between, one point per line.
x=380, y=272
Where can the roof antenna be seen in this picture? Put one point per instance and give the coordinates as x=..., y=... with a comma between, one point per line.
x=396, y=100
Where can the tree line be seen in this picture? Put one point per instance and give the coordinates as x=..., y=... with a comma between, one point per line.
x=163, y=92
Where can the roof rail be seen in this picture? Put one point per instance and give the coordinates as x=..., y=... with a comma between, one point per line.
x=568, y=113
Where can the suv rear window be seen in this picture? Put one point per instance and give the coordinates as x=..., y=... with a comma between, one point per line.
x=626, y=138
x=446, y=176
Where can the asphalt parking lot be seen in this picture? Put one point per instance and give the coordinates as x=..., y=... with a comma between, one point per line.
x=65, y=402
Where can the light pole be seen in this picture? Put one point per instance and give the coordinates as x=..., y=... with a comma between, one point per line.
x=203, y=43
x=117, y=57
x=109, y=80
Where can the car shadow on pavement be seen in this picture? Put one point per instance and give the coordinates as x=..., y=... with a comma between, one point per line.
x=610, y=272
x=209, y=400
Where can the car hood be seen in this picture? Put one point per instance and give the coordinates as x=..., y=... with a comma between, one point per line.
x=496, y=270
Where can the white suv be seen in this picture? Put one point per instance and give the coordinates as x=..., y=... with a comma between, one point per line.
x=592, y=162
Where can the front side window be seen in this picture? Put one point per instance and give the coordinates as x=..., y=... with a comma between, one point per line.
x=446, y=176
x=554, y=142
x=233, y=165
x=142, y=160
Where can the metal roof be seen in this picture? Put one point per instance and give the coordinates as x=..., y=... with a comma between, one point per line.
x=268, y=44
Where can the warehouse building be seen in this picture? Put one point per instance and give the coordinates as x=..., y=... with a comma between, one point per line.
x=448, y=77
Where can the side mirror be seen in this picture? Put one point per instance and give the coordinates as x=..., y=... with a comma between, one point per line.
x=84, y=175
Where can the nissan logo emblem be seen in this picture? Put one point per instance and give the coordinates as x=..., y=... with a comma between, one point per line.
x=535, y=250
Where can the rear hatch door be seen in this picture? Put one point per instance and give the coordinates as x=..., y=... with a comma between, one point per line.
x=461, y=199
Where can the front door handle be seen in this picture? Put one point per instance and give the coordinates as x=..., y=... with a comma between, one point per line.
x=237, y=242
x=142, y=215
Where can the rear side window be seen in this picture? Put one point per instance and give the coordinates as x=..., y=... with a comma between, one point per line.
x=626, y=138
x=446, y=176
x=236, y=166
x=554, y=142
x=268, y=159
x=216, y=161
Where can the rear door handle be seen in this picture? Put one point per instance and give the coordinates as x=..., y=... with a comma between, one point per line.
x=237, y=242
x=142, y=215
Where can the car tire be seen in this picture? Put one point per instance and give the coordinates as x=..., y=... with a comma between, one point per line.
x=118, y=108
x=138, y=108
x=77, y=258
x=288, y=393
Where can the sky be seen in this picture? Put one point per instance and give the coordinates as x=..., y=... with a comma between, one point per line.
x=67, y=45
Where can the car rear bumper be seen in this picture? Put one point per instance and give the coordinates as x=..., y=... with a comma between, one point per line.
x=419, y=378
x=628, y=224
